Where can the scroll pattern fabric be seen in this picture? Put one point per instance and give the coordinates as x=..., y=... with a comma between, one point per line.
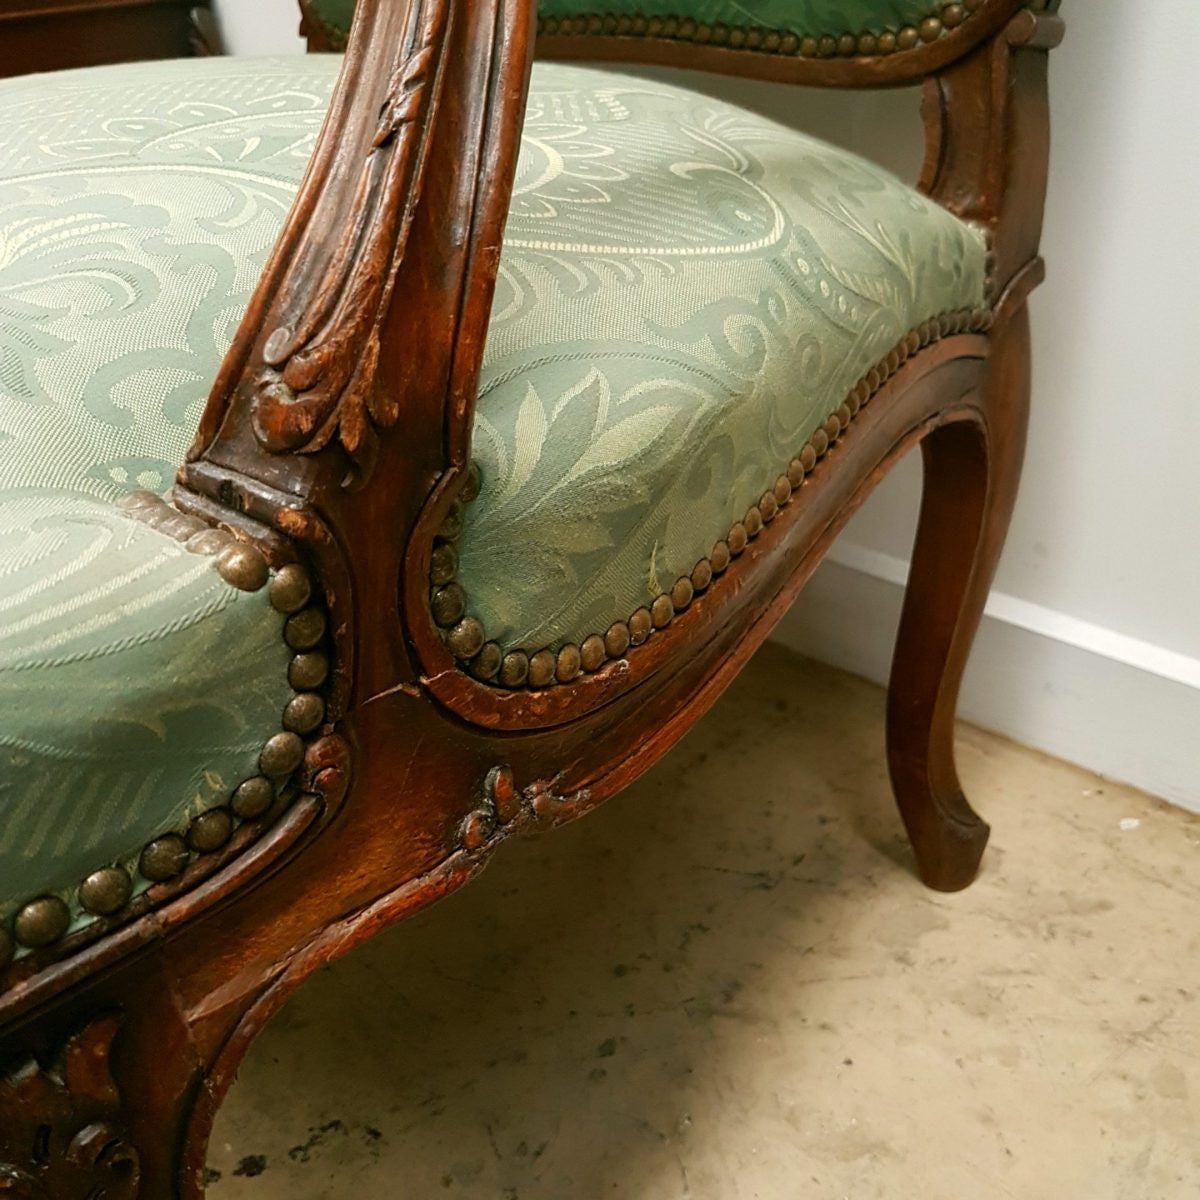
x=137, y=206
x=686, y=291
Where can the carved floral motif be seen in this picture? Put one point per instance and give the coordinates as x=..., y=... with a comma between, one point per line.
x=506, y=809
x=320, y=367
x=61, y=1136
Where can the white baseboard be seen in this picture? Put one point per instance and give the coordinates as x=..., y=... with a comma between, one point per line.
x=1121, y=707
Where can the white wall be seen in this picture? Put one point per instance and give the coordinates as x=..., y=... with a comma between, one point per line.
x=260, y=26
x=1091, y=650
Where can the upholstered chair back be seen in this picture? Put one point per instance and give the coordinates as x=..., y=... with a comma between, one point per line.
x=825, y=27
x=806, y=28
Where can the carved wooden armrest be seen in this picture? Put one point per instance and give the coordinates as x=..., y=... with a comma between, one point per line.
x=342, y=415
x=358, y=358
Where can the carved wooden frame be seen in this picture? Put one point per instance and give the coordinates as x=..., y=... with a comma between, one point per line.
x=344, y=411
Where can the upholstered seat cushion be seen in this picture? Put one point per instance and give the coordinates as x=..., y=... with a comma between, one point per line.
x=687, y=292
x=137, y=687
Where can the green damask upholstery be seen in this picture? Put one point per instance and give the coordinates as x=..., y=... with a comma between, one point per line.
x=686, y=292
x=815, y=17
x=336, y=14
x=796, y=16
x=136, y=686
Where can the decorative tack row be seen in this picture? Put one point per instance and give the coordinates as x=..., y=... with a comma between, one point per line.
x=847, y=44
x=786, y=43
x=487, y=660
x=106, y=892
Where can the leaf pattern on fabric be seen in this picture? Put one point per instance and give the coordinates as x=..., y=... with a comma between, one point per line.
x=686, y=292
x=137, y=206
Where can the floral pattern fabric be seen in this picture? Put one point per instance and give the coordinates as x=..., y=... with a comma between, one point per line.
x=686, y=291
x=137, y=206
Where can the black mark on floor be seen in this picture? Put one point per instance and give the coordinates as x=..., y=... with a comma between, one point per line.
x=251, y=1165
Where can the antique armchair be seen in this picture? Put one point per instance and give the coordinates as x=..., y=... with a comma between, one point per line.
x=476, y=520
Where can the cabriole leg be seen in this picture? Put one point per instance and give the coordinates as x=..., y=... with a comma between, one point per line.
x=971, y=475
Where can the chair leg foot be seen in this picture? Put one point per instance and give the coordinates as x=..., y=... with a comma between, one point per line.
x=971, y=472
x=947, y=835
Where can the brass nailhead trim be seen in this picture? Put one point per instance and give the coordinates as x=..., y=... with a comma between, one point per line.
x=488, y=662
x=305, y=630
x=467, y=640
x=542, y=668
x=308, y=670
x=109, y=890
x=641, y=626
x=444, y=564
x=164, y=858
x=617, y=640
x=106, y=891
x=243, y=567
x=41, y=922
x=448, y=604
x=290, y=589
x=786, y=43
x=453, y=522
x=253, y=797
x=569, y=663
x=592, y=653
x=662, y=611
x=210, y=830
x=514, y=670
x=303, y=712
x=281, y=754
x=780, y=42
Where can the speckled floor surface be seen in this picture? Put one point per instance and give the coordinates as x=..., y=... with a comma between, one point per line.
x=727, y=984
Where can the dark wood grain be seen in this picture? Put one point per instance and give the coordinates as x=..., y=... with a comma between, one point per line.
x=62, y=1127
x=51, y=35
x=343, y=442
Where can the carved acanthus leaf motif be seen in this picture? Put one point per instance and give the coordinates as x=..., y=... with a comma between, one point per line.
x=61, y=1136
x=319, y=374
x=404, y=95
x=505, y=809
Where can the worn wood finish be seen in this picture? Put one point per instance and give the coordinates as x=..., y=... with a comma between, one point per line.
x=61, y=1130
x=50, y=35
x=343, y=440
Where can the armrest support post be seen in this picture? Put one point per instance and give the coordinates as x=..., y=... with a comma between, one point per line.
x=357, y=361
x=987, y=123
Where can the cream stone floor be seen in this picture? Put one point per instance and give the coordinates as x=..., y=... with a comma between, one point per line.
x=728, y=984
